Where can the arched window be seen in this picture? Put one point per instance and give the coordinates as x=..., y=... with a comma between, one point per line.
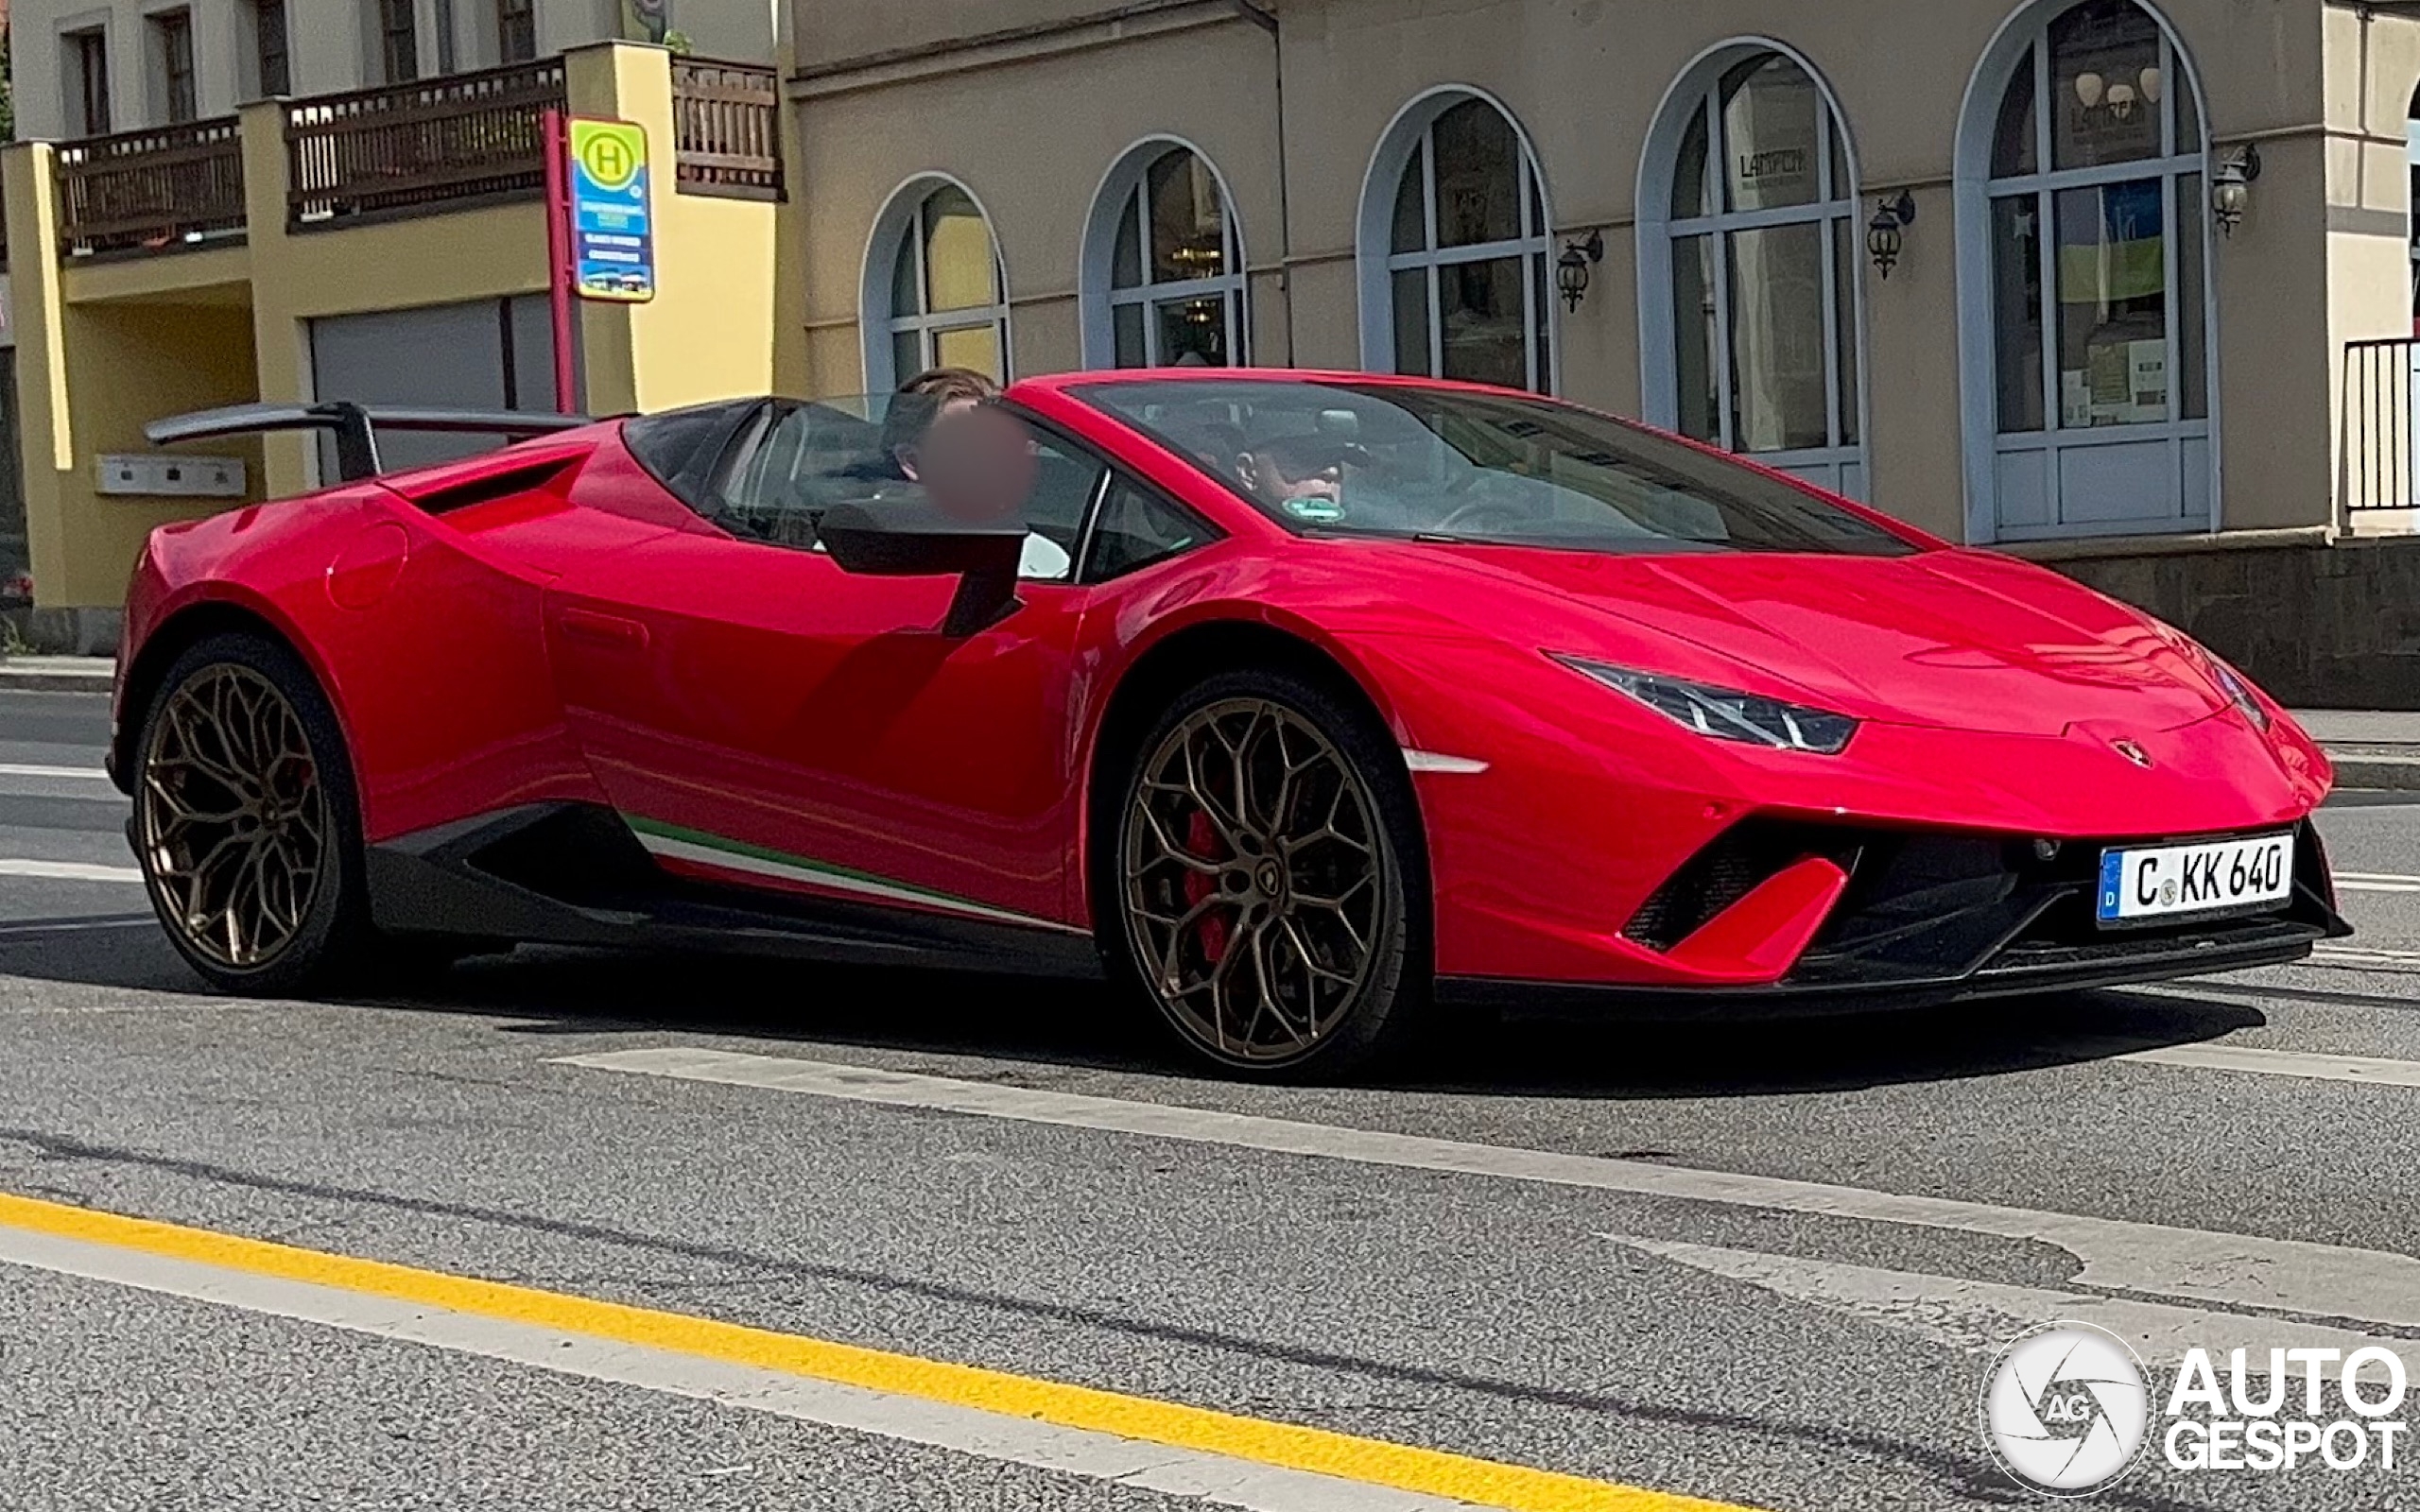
x=935, y=294
x=1163, y=266
x=1749, y=255
x=1453, y=249
x=2086, y=240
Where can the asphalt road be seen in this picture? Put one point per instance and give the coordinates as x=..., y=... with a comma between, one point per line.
x=1771, y=1267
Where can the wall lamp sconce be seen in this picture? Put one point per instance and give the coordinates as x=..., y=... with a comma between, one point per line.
x=1572, y=270
x=2231, y=184
x=1883, y=238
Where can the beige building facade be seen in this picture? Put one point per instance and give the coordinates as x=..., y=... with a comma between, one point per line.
x=2138, y=238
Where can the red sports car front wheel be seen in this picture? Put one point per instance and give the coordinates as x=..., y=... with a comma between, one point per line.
x=1266, y=903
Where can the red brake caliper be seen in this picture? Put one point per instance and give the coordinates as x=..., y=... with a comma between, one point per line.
x=1201, y=838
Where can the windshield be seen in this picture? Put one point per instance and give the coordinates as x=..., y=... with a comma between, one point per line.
x=1387, y=459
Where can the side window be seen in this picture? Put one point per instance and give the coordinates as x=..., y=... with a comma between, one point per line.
x=1138, y=529
x=1065, y=483
x=982, y=462
x=797, y=461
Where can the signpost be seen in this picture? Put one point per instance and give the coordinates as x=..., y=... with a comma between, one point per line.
x=600, y=243
x=613, y=243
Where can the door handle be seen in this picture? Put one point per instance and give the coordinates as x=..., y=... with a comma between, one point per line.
x=608, y=631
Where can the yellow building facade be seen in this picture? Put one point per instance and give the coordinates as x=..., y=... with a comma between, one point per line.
x=218, y=262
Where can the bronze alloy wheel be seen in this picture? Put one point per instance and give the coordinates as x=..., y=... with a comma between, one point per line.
x=1254, y=887
x=231, y=817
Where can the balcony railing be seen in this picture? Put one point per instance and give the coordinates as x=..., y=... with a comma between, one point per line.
x=2379, y=459
x=440, y=144
x=155, y=190
x=726, y=124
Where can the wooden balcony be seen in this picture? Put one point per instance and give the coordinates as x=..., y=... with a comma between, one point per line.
x=726, y=120
x=158, y=190
x=421, y=148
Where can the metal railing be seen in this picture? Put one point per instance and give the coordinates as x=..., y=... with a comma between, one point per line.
x=419, y=148
x=150, y=191
x=2378, y=450
x=726, y=127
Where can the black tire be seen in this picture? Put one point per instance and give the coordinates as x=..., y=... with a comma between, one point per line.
x=309, y=935
x=1336, y=990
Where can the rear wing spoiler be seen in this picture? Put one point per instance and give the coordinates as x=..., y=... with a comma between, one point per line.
x=356, y=426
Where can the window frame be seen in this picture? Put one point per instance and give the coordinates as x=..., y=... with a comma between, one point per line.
x=2191, y=475
x=1411, y=139
x=1128, y=185
x=880, y=321
x=269, y=23
x=1087, y=577
x=85, y=86
x=398, y=41
x=1834, y=207
x=169, y=33
x=516, y=21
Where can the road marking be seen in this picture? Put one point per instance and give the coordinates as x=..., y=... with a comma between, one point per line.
x=1984, y=1316
x=67, y=926
x=2230, y=1270
x=2375, y=882
x=1161, y=1445
x=69, y=870
x=2356, y=955
x=79, y=773
x=2367, y=1070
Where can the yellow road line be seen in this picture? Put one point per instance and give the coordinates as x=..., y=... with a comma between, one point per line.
x=1374, y=1461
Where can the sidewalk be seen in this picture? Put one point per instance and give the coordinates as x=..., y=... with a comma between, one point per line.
x=55, y=674
x=2372, y=748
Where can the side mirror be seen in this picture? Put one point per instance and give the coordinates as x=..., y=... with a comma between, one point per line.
x=915, y=541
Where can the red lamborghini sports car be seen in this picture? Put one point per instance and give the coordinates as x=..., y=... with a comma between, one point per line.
x=1296, y=703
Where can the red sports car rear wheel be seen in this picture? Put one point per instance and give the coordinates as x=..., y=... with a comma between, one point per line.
x=244, y=820
x=1264, y=903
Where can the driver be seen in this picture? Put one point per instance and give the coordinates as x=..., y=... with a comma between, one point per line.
x=1301, y=475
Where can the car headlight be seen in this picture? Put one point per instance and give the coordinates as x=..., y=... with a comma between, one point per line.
x=2240, y=694
x=2226, y=678
x=1725, y=713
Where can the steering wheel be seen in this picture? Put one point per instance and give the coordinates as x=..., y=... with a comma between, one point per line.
x=1479, y=509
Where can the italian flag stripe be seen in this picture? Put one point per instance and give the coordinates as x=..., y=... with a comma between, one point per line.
x=696, y=846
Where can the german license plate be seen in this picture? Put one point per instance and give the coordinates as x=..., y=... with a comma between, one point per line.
x=2208, y=877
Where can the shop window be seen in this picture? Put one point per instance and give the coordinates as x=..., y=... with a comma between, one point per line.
x=2089, y=376
x=1163, y=266
x=1750, y=271
x=1454, y=250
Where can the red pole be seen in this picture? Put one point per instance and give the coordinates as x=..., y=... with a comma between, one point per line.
x=559, y=270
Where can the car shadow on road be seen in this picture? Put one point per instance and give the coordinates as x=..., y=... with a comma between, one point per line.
x=1058, y=1027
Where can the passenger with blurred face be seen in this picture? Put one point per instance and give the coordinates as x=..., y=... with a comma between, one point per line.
x=975, y=463
x=924, y=400
x=1301, y=475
